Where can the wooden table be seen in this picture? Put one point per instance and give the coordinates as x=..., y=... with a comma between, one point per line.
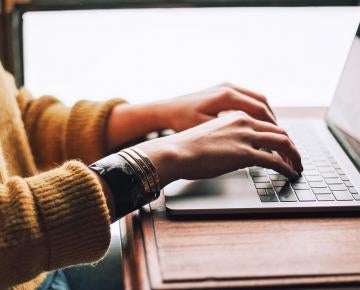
x=240, y=252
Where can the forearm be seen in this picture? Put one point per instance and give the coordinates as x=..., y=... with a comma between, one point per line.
x=130, y=122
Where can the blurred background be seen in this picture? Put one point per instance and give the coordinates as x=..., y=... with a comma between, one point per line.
x=293, y=55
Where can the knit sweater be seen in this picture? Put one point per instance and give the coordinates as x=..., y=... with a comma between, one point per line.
x=51, y=216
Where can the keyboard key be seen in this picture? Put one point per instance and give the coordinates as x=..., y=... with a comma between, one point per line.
x=279, y=188
x=342, y=195
x=278, y=177
x=318, y=160
x=268, y=198
x=257, y=172
x=301, y=179
x=323, y=164
x=270, y=191
x=305, y=195
x=335, y=180
x=325, y=197
x=329, y=174
x=339, y=171
x=317, y=184
x=310, y=172
x=326, y=169
x=343, y=177
x=280, y=183
x=261, y=191
x=309, y=166
x=261, y=179
x=337, y=187
x=348, y=184
x=352, y=190
x=270, y=171
x=315, y=153
x=314, y=178
x=321, y=190
x=300, y=186
x=286, y=194
x=263, y=185
x=356, y=197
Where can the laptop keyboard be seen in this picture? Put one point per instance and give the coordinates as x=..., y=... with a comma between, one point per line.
x=321, y=180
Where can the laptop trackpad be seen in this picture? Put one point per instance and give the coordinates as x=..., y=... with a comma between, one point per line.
x=232, y=190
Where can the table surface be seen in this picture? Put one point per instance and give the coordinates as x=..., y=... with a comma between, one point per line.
x=240, y=252
x=292, y=55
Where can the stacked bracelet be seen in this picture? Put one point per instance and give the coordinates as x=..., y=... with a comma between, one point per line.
x=132, y=178
x=145, y=169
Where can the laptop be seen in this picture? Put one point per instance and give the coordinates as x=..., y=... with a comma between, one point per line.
x=330, y=151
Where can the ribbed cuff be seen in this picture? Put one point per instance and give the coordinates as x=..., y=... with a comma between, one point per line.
x=86, y=129
x=75, y=214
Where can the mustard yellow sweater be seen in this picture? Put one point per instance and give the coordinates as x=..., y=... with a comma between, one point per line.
x=59, y=217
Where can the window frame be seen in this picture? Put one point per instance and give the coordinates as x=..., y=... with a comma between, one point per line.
x=11, y=24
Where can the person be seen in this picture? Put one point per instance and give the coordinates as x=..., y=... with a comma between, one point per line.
x=61, y=188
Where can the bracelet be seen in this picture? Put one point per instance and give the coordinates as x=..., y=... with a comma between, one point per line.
x=148, y=162
x=131, y=177
x=139, y=171
x=145, y=167
x=148, y=168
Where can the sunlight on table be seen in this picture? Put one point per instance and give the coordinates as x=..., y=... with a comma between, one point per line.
x=292, y=55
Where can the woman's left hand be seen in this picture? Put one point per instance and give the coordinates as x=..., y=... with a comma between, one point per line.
x=128, y=122
x=188, y=111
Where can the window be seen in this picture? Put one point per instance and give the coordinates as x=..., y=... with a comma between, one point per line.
x=99, y=53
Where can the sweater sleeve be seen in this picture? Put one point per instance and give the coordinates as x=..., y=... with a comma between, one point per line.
x=49, y=221
x=57, y=133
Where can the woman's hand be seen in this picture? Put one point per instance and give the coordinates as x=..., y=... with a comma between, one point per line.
x=188, y=111
x=130, y=122
x=223, y=145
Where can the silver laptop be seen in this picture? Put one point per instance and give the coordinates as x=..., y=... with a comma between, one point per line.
x=330, y=152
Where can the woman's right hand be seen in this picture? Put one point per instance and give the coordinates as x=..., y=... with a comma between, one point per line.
x=223, y=145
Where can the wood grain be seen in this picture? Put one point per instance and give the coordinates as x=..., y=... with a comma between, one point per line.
x=237, y=253
x=246, y=248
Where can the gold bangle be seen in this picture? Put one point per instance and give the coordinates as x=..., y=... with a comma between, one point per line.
x=148, y=162
x=137, y=168
x=145, y=169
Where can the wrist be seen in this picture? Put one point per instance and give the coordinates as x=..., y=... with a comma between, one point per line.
x=123, y=184
x=164, y=113
x=123, y=125
x=166, y=157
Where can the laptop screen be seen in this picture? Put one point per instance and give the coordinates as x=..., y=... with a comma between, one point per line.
x=344, y=113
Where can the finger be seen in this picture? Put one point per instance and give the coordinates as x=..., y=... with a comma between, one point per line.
x=280, y=143
x=261, y=126
x=283, y=146
x=251, y=106
x=273, y=161
x=252, y=94
x=282, y=155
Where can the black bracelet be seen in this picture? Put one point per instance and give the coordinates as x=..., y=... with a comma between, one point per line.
x=126, y=185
